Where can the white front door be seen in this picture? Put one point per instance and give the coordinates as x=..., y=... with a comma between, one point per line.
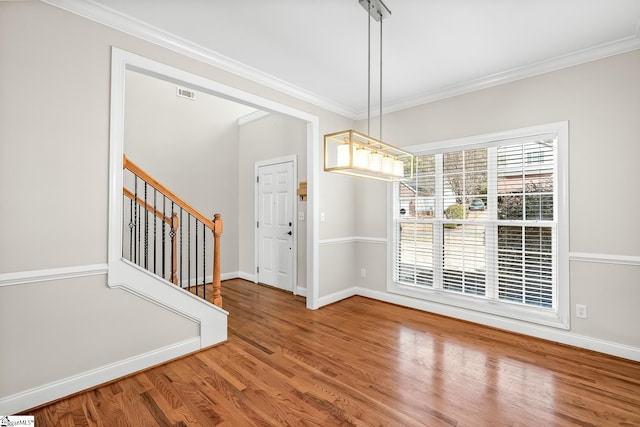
x=275, y=224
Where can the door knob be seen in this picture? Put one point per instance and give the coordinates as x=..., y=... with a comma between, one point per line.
x=290, y=233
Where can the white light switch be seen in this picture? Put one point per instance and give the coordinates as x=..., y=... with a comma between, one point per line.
x=300, y=216
x=322, y=217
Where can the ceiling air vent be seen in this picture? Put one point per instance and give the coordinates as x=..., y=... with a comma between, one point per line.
x=186, y=93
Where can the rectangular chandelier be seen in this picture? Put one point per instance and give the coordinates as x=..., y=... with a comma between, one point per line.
x=352, y=153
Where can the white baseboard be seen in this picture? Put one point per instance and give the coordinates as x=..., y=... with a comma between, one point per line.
x=337, y=296
x=212, y=321
x=58, y=389
x=209, y=279
x=551, y=334
x=228, y=276
x=246, y=276
x=300, y=290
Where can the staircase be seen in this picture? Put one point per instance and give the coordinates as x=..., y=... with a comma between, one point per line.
x=167, y=237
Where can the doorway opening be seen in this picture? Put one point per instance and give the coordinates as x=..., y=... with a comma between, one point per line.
x=123, y=61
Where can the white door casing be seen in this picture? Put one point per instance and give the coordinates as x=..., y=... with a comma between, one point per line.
x=121, y=61
x=275, y=224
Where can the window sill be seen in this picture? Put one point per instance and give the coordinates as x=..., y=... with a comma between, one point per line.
x=534, y=315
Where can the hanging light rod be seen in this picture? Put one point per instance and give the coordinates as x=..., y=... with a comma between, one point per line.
x=354, y=153
x=376, y=8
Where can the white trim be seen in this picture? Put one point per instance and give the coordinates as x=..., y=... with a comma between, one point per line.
x=247, y=276
x=32, y=276
x=228, y=276
x=338, y=296
x=252, y=117
x=148, y=286
x=371, y=240
x=353, y=239
x=313, y=214
x=144, y=279
x=604, y=258
x=562, y=318
x=337, y=241
x=111, y=18
x=120, y=62
x=46, y=393
x=300, y=290
x=483, y=307
x=473, y=141
x=209, y=279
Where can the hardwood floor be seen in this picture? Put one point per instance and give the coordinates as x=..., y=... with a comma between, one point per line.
x=362, y=362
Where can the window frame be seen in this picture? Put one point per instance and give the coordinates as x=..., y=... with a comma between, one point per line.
x=558, y=318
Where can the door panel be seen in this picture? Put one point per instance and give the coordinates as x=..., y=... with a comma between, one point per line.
x=275, y=225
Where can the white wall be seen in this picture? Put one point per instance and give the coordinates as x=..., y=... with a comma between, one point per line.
x=108, y=323
x=601, y=101
x=269, y=137
x=54, y=144
x=191, y=147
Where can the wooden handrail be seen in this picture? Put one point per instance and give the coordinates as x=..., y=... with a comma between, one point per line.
x=214, y=225
x=147, y=206
x=128, y=164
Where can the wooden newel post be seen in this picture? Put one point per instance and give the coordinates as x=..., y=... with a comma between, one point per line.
x=217, y=232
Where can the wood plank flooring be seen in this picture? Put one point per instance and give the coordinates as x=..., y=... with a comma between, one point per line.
x=361, y=362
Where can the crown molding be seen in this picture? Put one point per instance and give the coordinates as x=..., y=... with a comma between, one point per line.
x=121, y=22
x=564, y=61
x=111, y=18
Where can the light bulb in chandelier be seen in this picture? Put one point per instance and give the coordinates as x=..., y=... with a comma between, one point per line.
x=361, y=158
x=375, y=162
x=398, y=168
x=343, y=155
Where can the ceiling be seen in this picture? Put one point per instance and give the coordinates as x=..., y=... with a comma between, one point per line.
x=432, y=49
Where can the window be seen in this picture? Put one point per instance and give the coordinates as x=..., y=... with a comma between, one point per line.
x=479, y=226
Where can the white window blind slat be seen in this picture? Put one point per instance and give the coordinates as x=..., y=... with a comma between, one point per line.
x=494, y=236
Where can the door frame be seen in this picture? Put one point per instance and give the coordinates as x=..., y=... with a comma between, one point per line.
x=294, y=210
x=121, y=61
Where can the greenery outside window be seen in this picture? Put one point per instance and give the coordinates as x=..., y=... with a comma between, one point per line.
x=483, y=225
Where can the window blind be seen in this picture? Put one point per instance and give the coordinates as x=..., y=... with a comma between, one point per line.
x=481, y=223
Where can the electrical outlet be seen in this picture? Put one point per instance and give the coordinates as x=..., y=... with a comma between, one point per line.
x=301, y=216
x=581, y=311
x=363, y=272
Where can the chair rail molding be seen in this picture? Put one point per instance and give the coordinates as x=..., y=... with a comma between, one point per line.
x=61, y=273
x=604, y=258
